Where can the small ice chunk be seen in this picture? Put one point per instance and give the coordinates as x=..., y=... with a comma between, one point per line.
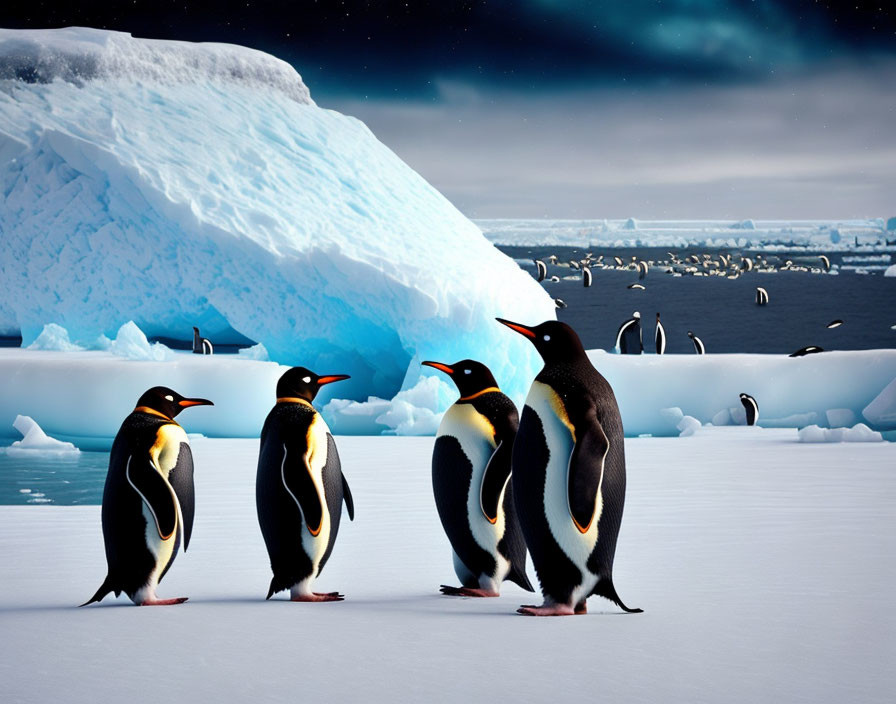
x=881, y=412
x=130, y=342
x=54, y=337
x=688, y=425
x=723, y=417
x=257, y=352
x=841, y=417
x=36, y=441
x=858, y=433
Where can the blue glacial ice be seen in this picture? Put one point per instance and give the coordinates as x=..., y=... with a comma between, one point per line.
x=176, y=184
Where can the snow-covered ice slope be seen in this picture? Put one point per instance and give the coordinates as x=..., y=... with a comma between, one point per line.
x=826, y=235
x=83, y=396
x=178, y=184
x=765, y=568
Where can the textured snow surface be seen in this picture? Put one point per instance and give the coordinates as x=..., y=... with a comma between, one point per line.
x=829, y=235
x=765, y=567
x=84, y=396
x=178, y=184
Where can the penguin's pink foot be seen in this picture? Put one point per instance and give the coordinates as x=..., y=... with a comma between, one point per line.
x=163, y=602
x=466, y=591
x=317, y=596
x=549, y=610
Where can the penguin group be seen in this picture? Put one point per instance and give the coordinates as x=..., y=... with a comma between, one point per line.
x=549, y=481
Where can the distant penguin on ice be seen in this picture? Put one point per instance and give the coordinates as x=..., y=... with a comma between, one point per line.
x=542, y=270
x=659, y=336
x=569, y=474
x=470, y=481
x=834, y=324
x=803, y=351
x=698, y=343
x=637, y=287
x=299, y=488
x=751, y=407
x=761, y=296
x=560, y=303
x=148, y=498
x=586, y=276
x=642, y=269
x=201, y=345
x=628, y=337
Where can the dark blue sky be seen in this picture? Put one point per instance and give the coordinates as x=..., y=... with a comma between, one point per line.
x=681, y=108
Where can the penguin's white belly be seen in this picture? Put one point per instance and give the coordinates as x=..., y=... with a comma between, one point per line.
x=560, y=438
x=476, y=437
x=316, y=459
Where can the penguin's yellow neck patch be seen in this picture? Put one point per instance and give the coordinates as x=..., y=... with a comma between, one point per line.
x=153, y=412
x=489, y=390
x=294, y=399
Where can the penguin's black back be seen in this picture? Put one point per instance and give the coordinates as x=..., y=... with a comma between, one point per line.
x=124, y=526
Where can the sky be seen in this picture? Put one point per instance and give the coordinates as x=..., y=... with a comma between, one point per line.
x=571, y=109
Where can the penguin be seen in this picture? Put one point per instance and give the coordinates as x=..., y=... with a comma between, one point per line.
x=586, y=276
x=751, y=407
x=747, y=264
x=300, y=487
x=659, y=336
x=642, y=269
x=638, y=287
x=628, y=337
x=554, y=279
x=803, y=351
x=201, y=345
x=471, y=483
x=560, y=303
x=834, y=324
x=698, y=343
x=761, y=296
x=569, y=474
x=826, y=263
x=148, y=500
x=542, y=270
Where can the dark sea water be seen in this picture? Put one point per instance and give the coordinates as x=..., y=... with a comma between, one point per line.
x=722, y=312
x=42, y=480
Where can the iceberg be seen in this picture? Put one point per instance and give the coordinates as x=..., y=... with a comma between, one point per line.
x=36, y=442
x=175, y=184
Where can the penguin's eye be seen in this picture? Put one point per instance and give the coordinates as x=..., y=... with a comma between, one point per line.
x=306, y=379
x=547, y=338
x=467, y=371
x=169, y=398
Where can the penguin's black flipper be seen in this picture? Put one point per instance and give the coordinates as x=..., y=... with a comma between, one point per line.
x=104, y=589
x=513, y=545
x=347, y=497
x=584, y=472
x=296, y=476
x=494, y=478
x=156, y=494
x=181, y=480
x=605, y=588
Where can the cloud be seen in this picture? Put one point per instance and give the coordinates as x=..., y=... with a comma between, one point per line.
x=820, y=146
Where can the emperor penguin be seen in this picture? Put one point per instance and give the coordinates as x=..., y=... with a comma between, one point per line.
x=628, y=337
x=699, y=348
x=751, y=407
x=569, y=473
x=659, y=336
x=299, y=488
x=148, y=502
x=471, y=483
x=201, y=345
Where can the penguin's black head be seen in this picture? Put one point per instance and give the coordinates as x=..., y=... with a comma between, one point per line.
x=469, y=376
x=303, y=383
x=555, y=341
x=168, y=402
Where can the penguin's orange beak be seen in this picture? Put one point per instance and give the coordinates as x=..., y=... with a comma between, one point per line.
x=187, y=402
x=521, y=329
x=441, y=367
x=331, y=378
